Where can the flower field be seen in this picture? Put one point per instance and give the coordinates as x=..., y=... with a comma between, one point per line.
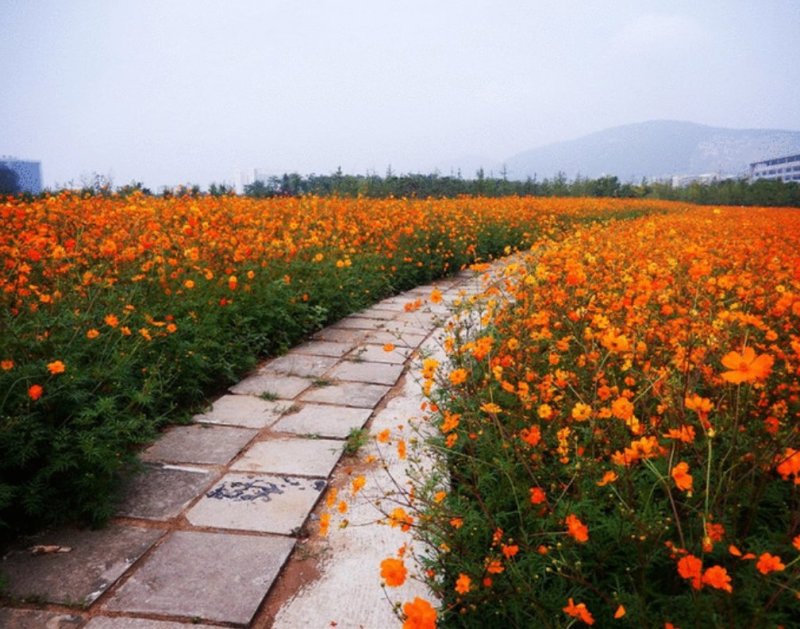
x=618, y=436
x=119, y=314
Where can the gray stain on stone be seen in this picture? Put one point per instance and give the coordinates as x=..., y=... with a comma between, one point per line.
x=245, y=491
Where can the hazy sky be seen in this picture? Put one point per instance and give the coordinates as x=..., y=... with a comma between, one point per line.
x=179, y=91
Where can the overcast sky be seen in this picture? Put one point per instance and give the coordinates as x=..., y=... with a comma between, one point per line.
x=179, y=91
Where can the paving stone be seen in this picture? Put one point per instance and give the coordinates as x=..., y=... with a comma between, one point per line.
x=375, y=313
x=376, y=373
x=376, y=354
x=200, y=443
x=265, y=503
x=340, y=335
x=301, y=365
x=243, y=410
x=265, y=382
x=324, y=348
x=324, y=420
x=35, y=619
x=120, y=622
x=406, y=339
x=97, y=560
x=210, y=576
x=291, y=455
x=161, y=492
x=358, y=323
x=348, y=394
x=391, y=305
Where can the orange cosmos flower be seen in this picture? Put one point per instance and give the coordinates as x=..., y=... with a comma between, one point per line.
x=393, y=572
x=419, y=614
x=796, y=542
x=111, y=320
x=458, y=376
x=690, y=567
x=92, y=334
x=608, y=477
x=577, y=529
x=491, y=407
x=510, y=551
x=35, y=392
x=717, y=577
x=383, y=436
x=56, y=367
x=233, y=282
x=620, y=612
x=494, y=567
x=579, y=611
x=537, y=495
x=357, y=483
x=388, y=347
x=6, y=365
x=324, y=523
x=789, y=464
x=581, y=412
x=746, y=367
x=463, y=583
x=401, y=449
x=681, y=476
x=532, y=436
x=436, y=296
x=769, y=563
x=399, y=517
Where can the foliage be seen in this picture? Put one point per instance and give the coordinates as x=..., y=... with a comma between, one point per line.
x=122, y=312
x=617, y=429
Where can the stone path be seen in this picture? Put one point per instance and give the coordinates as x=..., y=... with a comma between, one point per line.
x=204, y=532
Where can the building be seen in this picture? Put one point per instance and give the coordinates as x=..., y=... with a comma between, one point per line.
x=782, y=168
x=29, y=174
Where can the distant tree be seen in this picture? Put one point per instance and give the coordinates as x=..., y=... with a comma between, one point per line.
x=9, y=180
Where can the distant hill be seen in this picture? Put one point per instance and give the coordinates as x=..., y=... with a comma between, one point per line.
x=658, y=148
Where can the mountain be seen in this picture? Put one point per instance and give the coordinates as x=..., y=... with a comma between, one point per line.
x=659, y=148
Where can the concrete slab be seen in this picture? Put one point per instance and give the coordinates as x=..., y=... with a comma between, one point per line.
x=161, y=492
x=375, y=313
x=301, y=365
x=404, y=339
x=376, y=354
x=243, y=410
x=120, y=622
x=291, y=455
x=209, y=576
x=362, y=371
x=348, y=394
x=324, y=420
x=78, y=577
x=35, y=619
x=271, y=384
x=358, y=323
x=200, y=443
x=264, y=503
x=340, y=335
x=323, y=348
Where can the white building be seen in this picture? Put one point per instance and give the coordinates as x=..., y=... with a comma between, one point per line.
x=783, y=168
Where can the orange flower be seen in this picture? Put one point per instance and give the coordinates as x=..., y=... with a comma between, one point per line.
x=92, y=334
x=510, y=551
x=789, y=465
x=608, y=477
x=56, y=367
x=532, y=436
x=746, y=367
x=383, y=435
x=581, y=412
x=458, y=376
x=111, y=320
x=577, y=529
x=419, y=614
x=389, y=347
x=796, y=542
x=579, y=611
x=399, y=517
x=769, y=563
x=491, y=407
x=681, y=476
x=35, y=392
x=436, y=296
x=357, y=484
x=463, y=583
x=690, y=567
x=494, y=567
x=324, y=523
x=6, y=365
x=537, y=495
x=620, y=612
x=717, y=577
x=393, y=572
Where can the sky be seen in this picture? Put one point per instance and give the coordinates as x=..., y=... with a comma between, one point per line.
x=169, y=92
